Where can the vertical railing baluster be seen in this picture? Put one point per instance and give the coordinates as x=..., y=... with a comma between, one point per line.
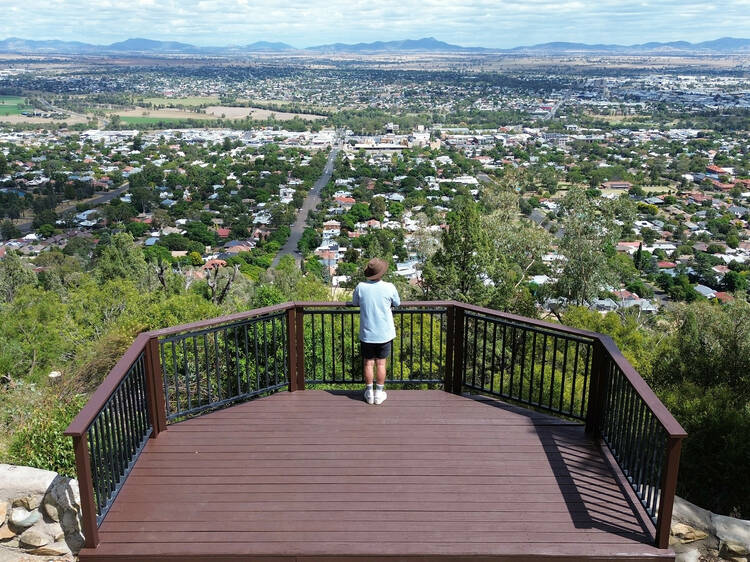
x=553, y=371
x=584, y=396
x=564, y=370
x=523, y=364
x=544, y=365
x=574, y=377
x=533, y=366
x=484, y=355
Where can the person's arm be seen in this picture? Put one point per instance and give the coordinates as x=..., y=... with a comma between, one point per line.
x=355, y=296
x=395, y=299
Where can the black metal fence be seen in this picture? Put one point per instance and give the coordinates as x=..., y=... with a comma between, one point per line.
x=635, y=437
x=540, y=367
x=117, y=435
x=332, y=349
x=211, y=367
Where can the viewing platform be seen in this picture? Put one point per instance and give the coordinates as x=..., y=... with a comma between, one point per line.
x=525, y=441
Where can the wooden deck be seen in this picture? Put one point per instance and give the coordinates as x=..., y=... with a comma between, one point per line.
x=428, y=475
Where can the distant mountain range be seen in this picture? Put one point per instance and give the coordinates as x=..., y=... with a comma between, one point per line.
x=725, y=45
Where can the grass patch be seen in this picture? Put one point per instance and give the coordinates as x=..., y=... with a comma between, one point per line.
x=13, y=105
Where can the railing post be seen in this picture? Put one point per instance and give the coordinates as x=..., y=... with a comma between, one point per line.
x=597, y=391
x=668, y=488
x=86, y=487
x=291, y=342
x=458, y=349
x=449, y=347
x=157, y=408
x=300, y=345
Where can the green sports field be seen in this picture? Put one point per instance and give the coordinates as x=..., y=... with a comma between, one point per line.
x=12, y=105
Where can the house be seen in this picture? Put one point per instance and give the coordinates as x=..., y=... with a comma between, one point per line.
x=707, y=292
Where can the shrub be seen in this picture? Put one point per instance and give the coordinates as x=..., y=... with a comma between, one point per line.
x=40, y=442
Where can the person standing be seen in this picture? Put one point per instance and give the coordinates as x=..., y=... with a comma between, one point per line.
x=377, y=331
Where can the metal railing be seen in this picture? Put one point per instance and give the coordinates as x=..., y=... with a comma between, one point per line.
x=171, y=374
x=515, y=359
x=332, y=350
x=205, y=369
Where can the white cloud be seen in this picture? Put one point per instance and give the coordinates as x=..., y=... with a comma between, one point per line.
x=492, y=23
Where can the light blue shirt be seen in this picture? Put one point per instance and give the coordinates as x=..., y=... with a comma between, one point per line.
x=375, y=299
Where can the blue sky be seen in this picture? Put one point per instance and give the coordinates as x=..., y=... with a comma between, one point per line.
x=488, y=23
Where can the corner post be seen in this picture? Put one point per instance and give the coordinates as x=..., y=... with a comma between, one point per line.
x=291, y=342
x=157, y=408
x=597, y=391
x=300, y=345
x=86, y=486
x=458, y=349
x=668, y=489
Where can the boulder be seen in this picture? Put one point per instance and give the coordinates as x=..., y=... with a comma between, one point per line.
x=34, y=537
x=733, y=550
x=686, y=533
x=24, y=482
x=3, y=512
x=720, y=528
x=53, y=549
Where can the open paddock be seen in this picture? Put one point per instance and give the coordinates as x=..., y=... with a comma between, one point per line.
x=257, y=113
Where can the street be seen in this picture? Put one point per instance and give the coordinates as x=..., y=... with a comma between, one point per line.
x=310, y=202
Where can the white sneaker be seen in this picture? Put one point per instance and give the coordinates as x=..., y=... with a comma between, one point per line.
x=369, y=396
x=380, y=396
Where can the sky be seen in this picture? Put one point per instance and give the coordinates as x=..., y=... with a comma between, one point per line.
x=304, y=23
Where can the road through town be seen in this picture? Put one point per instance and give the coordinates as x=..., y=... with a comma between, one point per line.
x=311, y=201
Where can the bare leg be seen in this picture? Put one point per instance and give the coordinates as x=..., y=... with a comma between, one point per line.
x=381, y=371
x=369, y=364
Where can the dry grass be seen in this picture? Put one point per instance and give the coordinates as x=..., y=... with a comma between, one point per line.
x=256, y=113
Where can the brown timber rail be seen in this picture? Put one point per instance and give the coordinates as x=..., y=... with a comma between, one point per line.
x=183, y=371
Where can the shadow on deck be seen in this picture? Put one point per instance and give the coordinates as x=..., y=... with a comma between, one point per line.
x=319, y=475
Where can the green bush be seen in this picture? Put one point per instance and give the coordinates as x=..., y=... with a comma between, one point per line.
x=40, y=441
x=715, y=456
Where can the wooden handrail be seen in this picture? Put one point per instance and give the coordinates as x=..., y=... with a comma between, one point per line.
x=172, y=330
x=529, y=321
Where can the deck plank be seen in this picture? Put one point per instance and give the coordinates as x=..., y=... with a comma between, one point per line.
x=316, y=476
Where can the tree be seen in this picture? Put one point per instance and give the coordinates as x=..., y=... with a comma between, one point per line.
x=458, y=268
x=14, y=274
x=9, y=230
x=587, y=233
x=121, y=259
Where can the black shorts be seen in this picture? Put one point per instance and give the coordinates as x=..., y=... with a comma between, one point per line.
x=376, y=350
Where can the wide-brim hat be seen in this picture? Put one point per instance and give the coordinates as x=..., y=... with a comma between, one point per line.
x=375, y=269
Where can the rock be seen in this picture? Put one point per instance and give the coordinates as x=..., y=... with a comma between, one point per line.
x=729, y=549
x=54, y=549
x=686, y=533
x=52, y=511
x=6, y=533
x=3, y=512
x=30, y=501
x=34, y=537
x=688, y=556
x=24, y=481
x=21, y=517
